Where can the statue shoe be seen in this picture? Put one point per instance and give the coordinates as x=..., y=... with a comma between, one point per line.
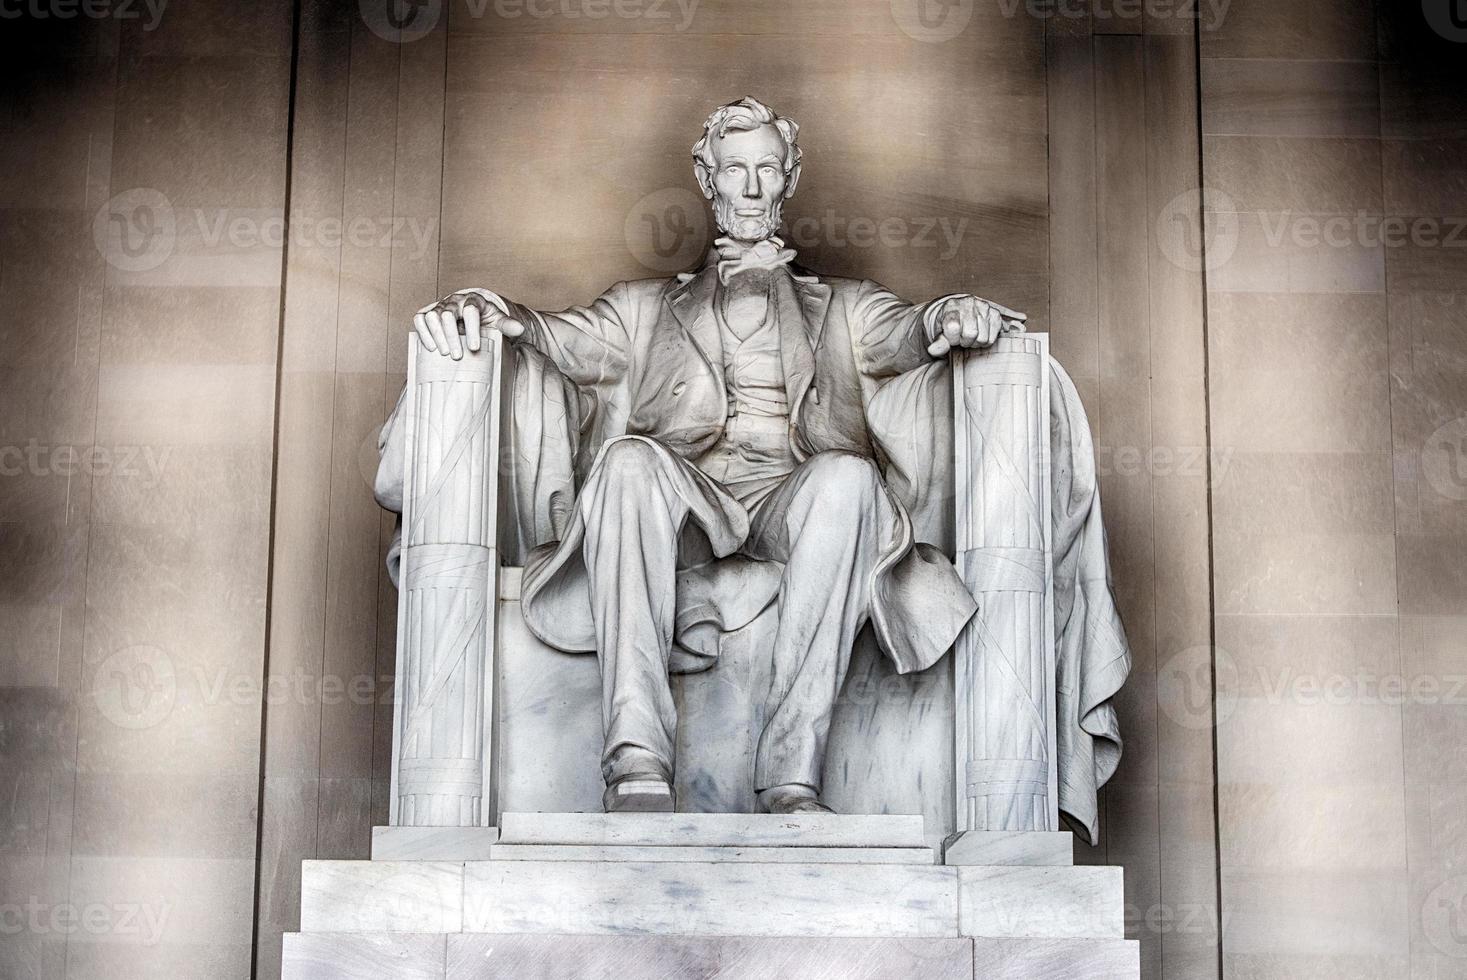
x=792, y=798
x=639, y=793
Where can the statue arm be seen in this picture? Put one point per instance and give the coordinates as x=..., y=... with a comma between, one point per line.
x=589, y=344
x=890, y=333
x=895, y=336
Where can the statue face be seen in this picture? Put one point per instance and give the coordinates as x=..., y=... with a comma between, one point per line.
x=749, y=182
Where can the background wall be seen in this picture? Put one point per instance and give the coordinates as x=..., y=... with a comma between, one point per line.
x=138, y=341
x=1337, y=257
x=195, y=666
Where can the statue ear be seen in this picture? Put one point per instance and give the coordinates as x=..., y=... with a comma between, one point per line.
x=705, y=179
x=791, y=179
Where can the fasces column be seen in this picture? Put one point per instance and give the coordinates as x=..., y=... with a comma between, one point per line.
x=442, y=768
x=1004, y=664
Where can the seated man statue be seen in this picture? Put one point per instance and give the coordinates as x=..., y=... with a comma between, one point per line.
x=738, y=396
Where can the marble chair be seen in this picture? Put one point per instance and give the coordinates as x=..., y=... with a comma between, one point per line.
x=491, y=720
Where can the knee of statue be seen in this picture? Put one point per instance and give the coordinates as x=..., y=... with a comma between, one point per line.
x=844, y=478
x=626, y=459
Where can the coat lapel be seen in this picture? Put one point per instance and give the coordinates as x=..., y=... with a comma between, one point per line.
x=802, y=307
x=692, y=304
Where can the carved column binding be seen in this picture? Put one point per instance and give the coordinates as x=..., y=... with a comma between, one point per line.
x=1004, y=659
x=442, y=765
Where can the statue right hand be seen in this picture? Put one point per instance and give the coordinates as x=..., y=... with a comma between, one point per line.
x=462, y=317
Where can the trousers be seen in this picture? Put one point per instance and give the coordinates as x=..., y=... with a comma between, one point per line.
x=824, y=522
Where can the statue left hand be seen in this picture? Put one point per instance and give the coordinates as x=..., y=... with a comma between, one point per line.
x=967, y=321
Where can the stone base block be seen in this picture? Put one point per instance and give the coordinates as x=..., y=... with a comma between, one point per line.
x=481, y=957
x=1002, y=847
x=711, y=898
x=743, y=855
x=433, y=843
x=712, y=829
x=1057, y=959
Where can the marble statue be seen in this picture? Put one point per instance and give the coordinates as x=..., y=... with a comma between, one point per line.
x=691, y=450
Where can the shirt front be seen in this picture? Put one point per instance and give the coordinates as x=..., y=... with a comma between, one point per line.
x=753, y=455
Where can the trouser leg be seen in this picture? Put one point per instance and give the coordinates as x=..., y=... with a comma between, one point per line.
x=825, y=524
x=633, y=520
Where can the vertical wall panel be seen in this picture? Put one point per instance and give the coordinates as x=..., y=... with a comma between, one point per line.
x=1305, y=518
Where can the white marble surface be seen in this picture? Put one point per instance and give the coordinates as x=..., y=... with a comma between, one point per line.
x=360, y=956
x=746, y=855
x=704, y=958
x=1057, y=959
x=381, y=896
x=413, y=956
x=712, y=829
x=1042, y=903
x=726, y=899
x=433, y=843
x=1002, y=847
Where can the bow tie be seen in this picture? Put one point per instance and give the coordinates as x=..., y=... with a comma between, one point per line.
x=735, y=257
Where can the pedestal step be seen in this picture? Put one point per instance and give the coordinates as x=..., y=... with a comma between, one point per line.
x=712, y=830
x=698, y=898
x=360, y=956
x=687, y=855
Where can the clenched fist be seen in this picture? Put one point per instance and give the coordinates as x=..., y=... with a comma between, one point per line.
x=967, y=321
x=461, y=318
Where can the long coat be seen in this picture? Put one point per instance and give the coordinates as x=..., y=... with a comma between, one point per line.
x=651, y=352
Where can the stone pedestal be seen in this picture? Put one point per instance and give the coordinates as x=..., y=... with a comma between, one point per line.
x=720, y=895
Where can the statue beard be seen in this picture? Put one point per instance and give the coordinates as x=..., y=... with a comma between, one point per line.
x=746, y=229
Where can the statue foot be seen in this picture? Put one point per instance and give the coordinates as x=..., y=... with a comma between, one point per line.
x=792, y=798
x=639, y=793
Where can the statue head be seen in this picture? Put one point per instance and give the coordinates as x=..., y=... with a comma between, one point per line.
x=747, y=164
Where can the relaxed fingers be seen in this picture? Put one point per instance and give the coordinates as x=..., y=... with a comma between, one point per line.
x=471, y=327
x=425, y=335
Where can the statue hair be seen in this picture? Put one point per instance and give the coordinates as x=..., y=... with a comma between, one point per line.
x=745, y=114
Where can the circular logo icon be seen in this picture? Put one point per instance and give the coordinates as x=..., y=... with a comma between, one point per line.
x=400, y=21
x=136, y=230
x=1444, y=460
x=1198, y=230
x=135, y=687
x=667, y=231
x=1184, y=687
x=1447, y=17
x=1444, y=917
x=933, y=21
